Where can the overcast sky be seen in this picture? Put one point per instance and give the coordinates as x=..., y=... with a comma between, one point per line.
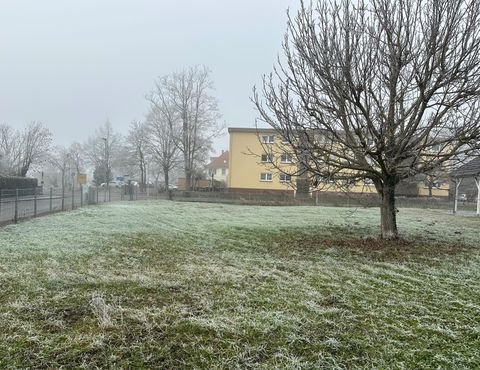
x=73, y=64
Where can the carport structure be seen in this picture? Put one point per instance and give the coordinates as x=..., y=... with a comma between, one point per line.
x=468, y=170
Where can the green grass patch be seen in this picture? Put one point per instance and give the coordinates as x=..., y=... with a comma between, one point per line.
x=183, y=285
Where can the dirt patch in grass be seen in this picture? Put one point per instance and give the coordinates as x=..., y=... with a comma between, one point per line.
x=423, y=250
x=400, y=250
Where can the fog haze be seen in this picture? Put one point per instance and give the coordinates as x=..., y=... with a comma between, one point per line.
x=72, y=65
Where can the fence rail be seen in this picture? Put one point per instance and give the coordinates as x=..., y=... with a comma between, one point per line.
x=20, y=204
x=17, y=204
x=321, y=199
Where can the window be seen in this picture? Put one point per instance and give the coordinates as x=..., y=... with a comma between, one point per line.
x=264, y=176
x=285, y=140
x=286, y=158
x=267, y=158
x=285, y=178
x=436, y=148
x=368, y=182
x=224, y=171
x=268, y=139
x=434, y=184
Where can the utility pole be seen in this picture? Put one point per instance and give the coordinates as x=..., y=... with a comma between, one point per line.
x=107, y=175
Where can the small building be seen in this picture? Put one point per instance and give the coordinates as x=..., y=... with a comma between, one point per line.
x=218, y=168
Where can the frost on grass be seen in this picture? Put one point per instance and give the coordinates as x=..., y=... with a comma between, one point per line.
x=109, y=314
x=174, y=285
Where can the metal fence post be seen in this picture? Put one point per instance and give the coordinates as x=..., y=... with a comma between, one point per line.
x=1, y=201
x=51, y=200
x=73, y=196
x=15, y=217
x=34, y=202
x=97, y=193
x=81, y=195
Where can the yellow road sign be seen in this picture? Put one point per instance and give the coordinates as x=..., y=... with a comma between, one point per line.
x=81, y=179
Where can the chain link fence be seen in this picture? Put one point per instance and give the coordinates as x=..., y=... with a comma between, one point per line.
x=18, y=204
x=320, y=199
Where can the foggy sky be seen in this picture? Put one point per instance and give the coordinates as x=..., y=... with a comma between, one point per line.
x=73, y=64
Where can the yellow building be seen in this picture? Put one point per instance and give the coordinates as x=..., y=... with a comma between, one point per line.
x=251, y=169
x=249, y=164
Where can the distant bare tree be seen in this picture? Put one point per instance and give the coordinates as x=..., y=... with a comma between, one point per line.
x=163, y=131
x=379, y=90
x=77, y=156
x=102, y=150
x=62, y=161
x=189, y=93
x=136, y=147
x=21, y=149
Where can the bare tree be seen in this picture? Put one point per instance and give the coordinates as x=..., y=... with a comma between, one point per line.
x=163, y=131
x=136, y=147
x=102, y=150
x=379, y=90
x=21, y=149
x=189, y=94
x=77, y=156
x=62, y=160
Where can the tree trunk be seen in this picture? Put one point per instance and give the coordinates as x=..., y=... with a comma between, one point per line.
x=389, y=213
x=142, y=177
x=23, y=171
x=188, y=180
x=167, y=184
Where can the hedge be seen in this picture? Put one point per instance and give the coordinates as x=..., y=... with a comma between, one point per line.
x=15, y=182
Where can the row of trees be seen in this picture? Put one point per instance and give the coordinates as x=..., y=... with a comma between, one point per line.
x=176, y=134
x=20, y=149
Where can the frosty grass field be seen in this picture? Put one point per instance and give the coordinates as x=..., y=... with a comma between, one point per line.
x=182, y=285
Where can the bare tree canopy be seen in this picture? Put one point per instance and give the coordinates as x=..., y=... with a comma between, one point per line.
x=22, y=149
x=194, y=109
x=381, y=90
x=77, y=156
x=137, y=148
x=163, y=132
x=103, y=151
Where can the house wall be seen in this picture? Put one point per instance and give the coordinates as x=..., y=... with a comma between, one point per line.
x=246, y=167
x=442, y=191
x=218, y=176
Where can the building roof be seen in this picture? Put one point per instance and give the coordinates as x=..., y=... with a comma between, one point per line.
x=219, y=162
x=252, y=130
x=469, y=169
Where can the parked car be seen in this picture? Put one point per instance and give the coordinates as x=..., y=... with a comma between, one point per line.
x=114, y=183
x=462, y=197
